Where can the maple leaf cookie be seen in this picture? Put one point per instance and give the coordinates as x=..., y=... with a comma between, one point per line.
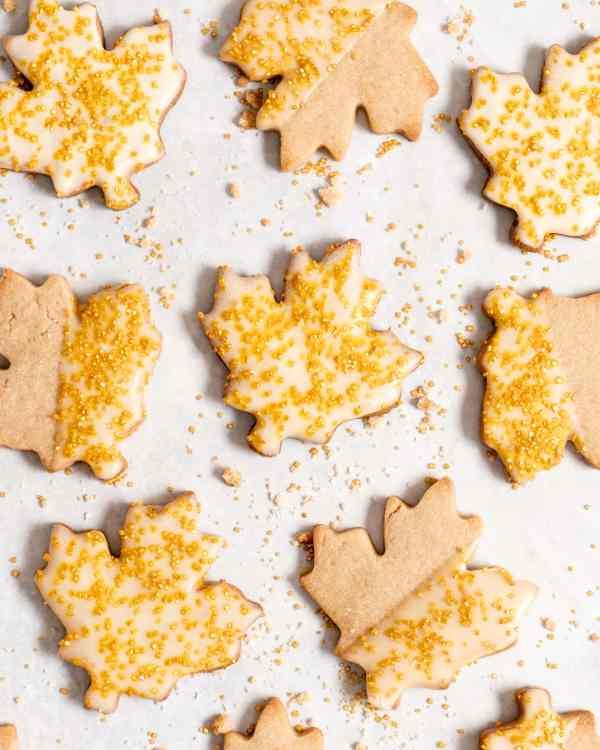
x=306, y=364
x=541, y=149
x=539, y=726
x=274, y=732
x=8, y=738
x=77, y=372
x=415, y=615
x=333, y=56
x=139, y=622
x=542, y=383
x=92, y=116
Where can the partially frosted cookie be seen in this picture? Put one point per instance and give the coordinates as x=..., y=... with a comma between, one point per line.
x=539, y=727
x=74, y=388
x=541, y=149
x=333, y=57
x=274, y=732
x=542, y=380
x=139, y=622
x=92, y=116
x=8, y=738
x=415, y=615
x=306, y=364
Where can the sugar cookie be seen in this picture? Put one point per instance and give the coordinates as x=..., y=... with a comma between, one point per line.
x=75, y=385
x=539, y=727
x=8, y=738
x=541, y=149
x=333, y=57
x=306, y=364
x=274, y=732
x=542, y=381
x=414, y=616
x=92, y=116
x=139, y=622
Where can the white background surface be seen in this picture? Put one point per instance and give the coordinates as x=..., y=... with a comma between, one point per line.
x=536, y=532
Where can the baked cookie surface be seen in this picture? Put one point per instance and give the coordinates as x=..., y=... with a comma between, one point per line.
x=273, y=731
x=415, y=615
x=139, y=622
x=541, y=149
x=92, y=116
x=542, y=383
x=539, y=726
x=74, y=388
x=311, y=361
x=333, y=57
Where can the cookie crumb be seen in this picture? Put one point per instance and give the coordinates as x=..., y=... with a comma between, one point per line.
x=231, y=477
x=233, y=190
x=221, y=724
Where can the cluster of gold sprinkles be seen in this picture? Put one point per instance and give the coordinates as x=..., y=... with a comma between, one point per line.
x=93, y=115
x=528, y=410
x=305, y=365
x=299, y=40
x=140, y=622
x=543, y=150
x=539, y=726
x=108, y=356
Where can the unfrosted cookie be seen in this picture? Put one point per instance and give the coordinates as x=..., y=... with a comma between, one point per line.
x=539, y=727
x=415, y=615
x=311, y=361
x=92, y=116
x=8, y=738
x=75, y=385
x=333, y=57
x=542, y=380
x=139, y=622
x=274, y=732
x=541, y=149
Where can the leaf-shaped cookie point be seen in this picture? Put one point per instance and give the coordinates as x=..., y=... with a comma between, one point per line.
x=541, y=149
x=333, y=57
x=274, y=732
x=539, y=726
x=93, y=116
x=75, y=385
x=139, y=622
x=542, y=382
x=306, y=364
x=8, y=738
x=415, y=615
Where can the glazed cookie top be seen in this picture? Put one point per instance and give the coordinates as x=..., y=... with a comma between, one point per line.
x=93, y=115
x=75, y=387
x=542, y=382
x=539, y=727
x=139, y=622
x=301, y=41
x=333, y=57
x=273, y=730
x=541, y=148
x=418, y=628
x=307, y=363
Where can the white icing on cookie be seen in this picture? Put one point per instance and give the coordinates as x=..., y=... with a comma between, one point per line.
x=528, y=411
x=109, y=352
x=542, y=149
x=452, y=620
x=307, y=364
x=93, y=116
x=140, y=622
x=303, y=43
x=539, y=728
